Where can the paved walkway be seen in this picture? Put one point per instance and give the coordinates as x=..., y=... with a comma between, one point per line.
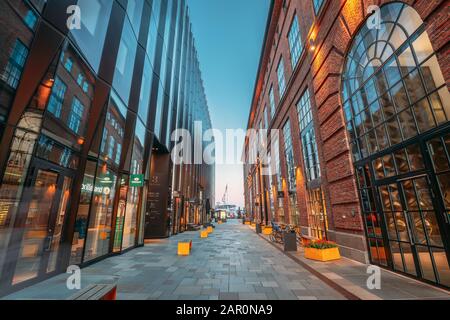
x=233, y=263
x=351, y=276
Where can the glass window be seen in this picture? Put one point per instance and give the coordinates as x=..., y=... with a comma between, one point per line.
x=401, y=86
x=265, y=115
x=56, y=100
x=281, y=77
x=113, y=133
x=289, y=155
x=81, y=222
x=307, y=132
x=16, y=62
x=134, y=11
x=304, y=111
x=94, y=24
x=144, y=98
x=125, y=63
x=76, y=115
x=30, y=19
x=295, y=41
x=99, y=227
x=272, y=102
x=317, y=5
x=68, y=65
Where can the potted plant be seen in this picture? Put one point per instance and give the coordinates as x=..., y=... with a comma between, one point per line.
x=322, y=250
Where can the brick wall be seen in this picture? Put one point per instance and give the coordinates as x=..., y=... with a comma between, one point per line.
x=320, y=71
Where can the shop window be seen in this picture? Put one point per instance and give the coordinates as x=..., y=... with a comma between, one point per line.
x=317, y=215
x=100, y=219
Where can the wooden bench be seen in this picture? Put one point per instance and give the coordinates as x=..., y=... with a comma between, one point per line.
x=96, y=292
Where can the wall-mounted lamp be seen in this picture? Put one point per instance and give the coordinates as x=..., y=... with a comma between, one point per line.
x=312, y=45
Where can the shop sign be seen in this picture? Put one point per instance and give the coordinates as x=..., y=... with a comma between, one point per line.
x=137, y=180
x=107, y=180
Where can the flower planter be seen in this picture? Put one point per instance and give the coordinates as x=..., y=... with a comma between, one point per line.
x=267, y=231
x=322, y=254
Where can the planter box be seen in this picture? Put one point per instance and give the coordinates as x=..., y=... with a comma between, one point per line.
x=267, y=231
x=184, y=248
x=210, y=230
x=322, y=254
x=204, y=234
x=247, y=223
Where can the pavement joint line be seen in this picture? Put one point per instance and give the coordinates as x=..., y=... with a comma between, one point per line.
x=340, y=289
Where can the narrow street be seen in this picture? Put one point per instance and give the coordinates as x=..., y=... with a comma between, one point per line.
x=232, y=263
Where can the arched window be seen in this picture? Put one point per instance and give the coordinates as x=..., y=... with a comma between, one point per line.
x=393, y=91
x=392, y=86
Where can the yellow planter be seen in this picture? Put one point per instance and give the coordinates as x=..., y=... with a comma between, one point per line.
x=210, y=229
x=247, y=223
x=204, y=234
x=184, y=248
x=220, y=222
x=267, y=231
x=322, y=255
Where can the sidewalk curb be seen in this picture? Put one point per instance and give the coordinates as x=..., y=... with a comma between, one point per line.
x=347, y=294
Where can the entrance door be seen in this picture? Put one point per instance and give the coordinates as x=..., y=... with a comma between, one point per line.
x=414, y=230
x=45, y=206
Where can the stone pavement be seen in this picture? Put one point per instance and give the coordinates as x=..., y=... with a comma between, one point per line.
x=351, y=276
x=232, y=263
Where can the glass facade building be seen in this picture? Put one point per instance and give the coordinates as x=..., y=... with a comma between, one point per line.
x=86, y=118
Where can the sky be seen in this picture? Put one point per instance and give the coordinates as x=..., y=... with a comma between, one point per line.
x=229, y=35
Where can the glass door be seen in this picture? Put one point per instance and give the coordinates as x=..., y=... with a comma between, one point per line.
x=45, y=208
x=415, y=235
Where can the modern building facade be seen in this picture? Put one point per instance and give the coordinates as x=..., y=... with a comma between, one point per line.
x=360, y=95
x=86, y=119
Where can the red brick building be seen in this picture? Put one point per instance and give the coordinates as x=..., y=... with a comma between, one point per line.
x=359, y=92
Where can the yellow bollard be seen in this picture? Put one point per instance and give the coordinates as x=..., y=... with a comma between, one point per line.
x=203, y=234
x=184, y=248
x=267, y=231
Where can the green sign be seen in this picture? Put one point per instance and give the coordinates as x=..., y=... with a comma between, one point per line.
x=137, y=180
x=107, y=180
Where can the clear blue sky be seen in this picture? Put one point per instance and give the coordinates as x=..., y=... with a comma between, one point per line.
x=229, y=36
